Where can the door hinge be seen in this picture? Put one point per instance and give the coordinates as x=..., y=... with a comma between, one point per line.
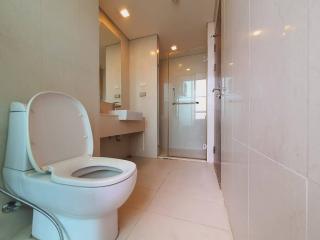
x=215, y=67
x=214, y=149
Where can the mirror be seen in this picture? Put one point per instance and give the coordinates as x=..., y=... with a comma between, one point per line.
x=110, y=66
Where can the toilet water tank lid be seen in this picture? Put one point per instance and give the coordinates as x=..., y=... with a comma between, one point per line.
x=58, y=129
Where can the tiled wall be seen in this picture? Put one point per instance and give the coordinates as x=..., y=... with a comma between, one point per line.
x=271, y=118
x=143, y=77
x=46, y=45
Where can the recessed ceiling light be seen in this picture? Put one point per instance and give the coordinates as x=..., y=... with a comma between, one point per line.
x=188, y=69
x=257, y=33
x=124, y=13
x=174, y=47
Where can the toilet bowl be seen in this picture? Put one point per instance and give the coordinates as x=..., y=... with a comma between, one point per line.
x=49, y=163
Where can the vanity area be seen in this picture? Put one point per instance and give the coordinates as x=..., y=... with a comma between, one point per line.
x=116, y=119
x=111, y=125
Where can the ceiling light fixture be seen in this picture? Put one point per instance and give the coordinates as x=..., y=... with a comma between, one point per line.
x=188, y=69
x=257, y=33
x=174, y=47
x=124, y=13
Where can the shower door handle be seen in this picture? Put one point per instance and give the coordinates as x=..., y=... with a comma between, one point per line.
x=217, y=92
x=182, y=103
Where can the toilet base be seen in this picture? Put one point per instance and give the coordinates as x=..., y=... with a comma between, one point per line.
x=76, y=228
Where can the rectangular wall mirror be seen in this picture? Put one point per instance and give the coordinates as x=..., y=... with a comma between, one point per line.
x=110, y=67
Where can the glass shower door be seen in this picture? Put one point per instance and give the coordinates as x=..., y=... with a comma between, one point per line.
x=187, y=108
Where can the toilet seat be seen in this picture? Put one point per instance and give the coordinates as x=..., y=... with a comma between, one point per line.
x=64, y=172
x=58, y=129
x=59, y=141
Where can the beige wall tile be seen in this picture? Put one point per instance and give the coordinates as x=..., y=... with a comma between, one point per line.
x=266, y=43
x=143, y=74
x=313, y=211
x=240, y=69
x=279, y=81
x=236, y=193
x=46, y=45
x=314, y=98
x=277, y=198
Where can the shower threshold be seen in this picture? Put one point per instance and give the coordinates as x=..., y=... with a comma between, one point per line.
x=182, y=158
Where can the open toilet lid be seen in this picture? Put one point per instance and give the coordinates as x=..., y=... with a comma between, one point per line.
x=58, y=129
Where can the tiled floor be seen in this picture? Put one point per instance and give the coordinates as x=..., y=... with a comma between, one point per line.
x=172, y=200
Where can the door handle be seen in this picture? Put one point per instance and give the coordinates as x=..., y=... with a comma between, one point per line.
x=217, y=92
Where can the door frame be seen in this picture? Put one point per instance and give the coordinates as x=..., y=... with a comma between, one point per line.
x=211, y=31
x=210, y=94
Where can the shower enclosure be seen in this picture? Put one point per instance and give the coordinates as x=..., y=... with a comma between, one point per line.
x=183, y=108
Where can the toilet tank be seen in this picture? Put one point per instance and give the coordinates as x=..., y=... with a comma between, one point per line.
x=16, y=150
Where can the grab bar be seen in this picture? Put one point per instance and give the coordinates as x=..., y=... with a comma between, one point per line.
x=181, y=103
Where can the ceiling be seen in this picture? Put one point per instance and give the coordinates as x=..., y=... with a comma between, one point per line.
x=182, y=23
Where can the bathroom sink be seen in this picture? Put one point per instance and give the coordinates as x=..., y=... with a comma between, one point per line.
x=127, y=115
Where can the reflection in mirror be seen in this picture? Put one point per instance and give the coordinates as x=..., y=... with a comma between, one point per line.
x=110, y=66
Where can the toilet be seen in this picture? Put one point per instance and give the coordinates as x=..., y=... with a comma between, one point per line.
x=49, y=163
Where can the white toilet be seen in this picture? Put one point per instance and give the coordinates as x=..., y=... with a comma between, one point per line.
x=49, y=163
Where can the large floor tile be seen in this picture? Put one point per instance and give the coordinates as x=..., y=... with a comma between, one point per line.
x=155, y=167
x=157, y=227
x=150, y=181
x=191, y=190
x=128, y=218
x=196, y=183
x=174, y=204
x=277, y=198
x=195, y=173
x=140, y=197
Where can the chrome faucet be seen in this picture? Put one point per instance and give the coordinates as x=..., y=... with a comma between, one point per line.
x=116, y=105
